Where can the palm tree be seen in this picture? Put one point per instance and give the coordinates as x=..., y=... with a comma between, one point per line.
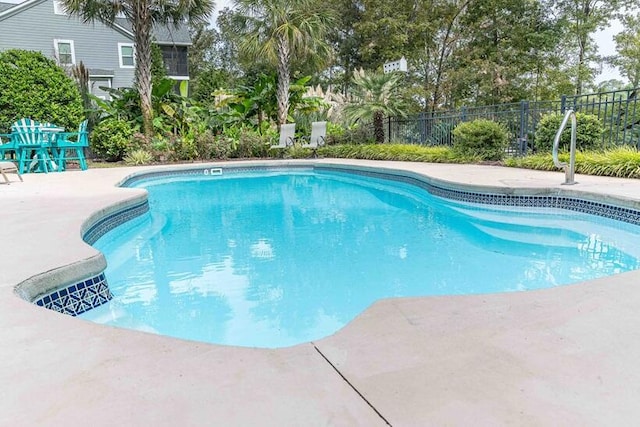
x=280, y=31
x=142, y=15
x=374, y=97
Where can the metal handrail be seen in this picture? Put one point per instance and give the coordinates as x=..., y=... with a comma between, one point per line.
x=569, y=169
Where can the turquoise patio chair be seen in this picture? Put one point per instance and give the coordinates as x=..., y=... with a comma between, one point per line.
x=7, y=146
x=32, y=147
x=71, y=146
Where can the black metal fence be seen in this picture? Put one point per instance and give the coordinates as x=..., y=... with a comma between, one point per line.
x=618, y=112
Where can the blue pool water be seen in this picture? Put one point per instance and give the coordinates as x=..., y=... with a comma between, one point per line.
x=279, y=258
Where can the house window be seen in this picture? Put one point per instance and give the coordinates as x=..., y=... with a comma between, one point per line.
x=57, y=8
x=126, y=55
x=175, y=60
x=65, y=53
x=99, y=84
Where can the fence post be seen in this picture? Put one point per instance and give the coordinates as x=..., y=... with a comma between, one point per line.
x=422, y=126
x=463, y=114
x=563, y=104
x=389, y=131
x=524, y=125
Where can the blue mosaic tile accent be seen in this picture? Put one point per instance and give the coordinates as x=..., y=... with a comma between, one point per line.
x=617, y=213
x=110, y=222
x=77, y=298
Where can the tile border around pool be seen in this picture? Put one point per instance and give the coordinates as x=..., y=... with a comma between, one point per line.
x=94, y=291
x=575, y=204
x=114, y=219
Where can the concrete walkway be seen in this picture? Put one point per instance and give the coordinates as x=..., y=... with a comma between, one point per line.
x=563, y=356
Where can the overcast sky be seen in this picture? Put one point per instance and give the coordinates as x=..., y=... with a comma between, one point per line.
x=606, y=47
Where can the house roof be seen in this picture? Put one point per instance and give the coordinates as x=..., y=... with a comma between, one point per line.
x=163, y=34
x=172, y=35
x=11, y=9
x=4, y=6
x=100, y=72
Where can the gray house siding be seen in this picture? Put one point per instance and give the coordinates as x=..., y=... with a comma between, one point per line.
x=96, y=45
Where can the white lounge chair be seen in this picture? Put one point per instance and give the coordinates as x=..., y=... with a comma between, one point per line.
x=287, y=136
x=318, y=133
x=8, y=167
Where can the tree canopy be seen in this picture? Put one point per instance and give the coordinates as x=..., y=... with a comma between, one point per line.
x=460, y=52
x=142, y=15
x=280, y=32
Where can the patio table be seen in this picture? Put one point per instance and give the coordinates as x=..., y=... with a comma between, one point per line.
x=40, y=148
x=50, y=134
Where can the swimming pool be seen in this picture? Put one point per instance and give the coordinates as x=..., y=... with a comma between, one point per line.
x=276, y=258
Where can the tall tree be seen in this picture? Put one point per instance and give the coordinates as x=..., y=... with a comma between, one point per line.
x=214, y=47
x=283, y=31
x=385, y=29
x=584, y=18
x=142, y=15
x=441, y=33
x=628, y=49
x=202, y=52
x=212, y=60
x=375, y=96
x=502, y=47
x=346, y=42
x=544, y=78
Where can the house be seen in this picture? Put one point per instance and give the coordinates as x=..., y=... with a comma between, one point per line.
x=106, y=51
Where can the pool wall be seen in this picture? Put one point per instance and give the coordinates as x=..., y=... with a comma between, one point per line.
x=76, y=288
x=619, y=213
x=69, y=292
x=92, y=291
x=500, y=197
x=77, y=298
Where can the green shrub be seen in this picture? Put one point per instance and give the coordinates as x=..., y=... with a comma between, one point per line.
x=483, y=138
x=252, y=144
x=34, y=86
x=159, y=146
x=354, y=135
x=204, y=144
x=206, y=83
x=182, y=148
x=138, y=157
x=111, y=139
x=403, y=152
x=335, y=130
x=140, y=141
x=295, y=152
x=588, y=132
x=211, y=146
x=223, y=147
x=622, y=162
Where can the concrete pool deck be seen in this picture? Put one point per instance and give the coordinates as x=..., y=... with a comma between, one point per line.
x=563, y=356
